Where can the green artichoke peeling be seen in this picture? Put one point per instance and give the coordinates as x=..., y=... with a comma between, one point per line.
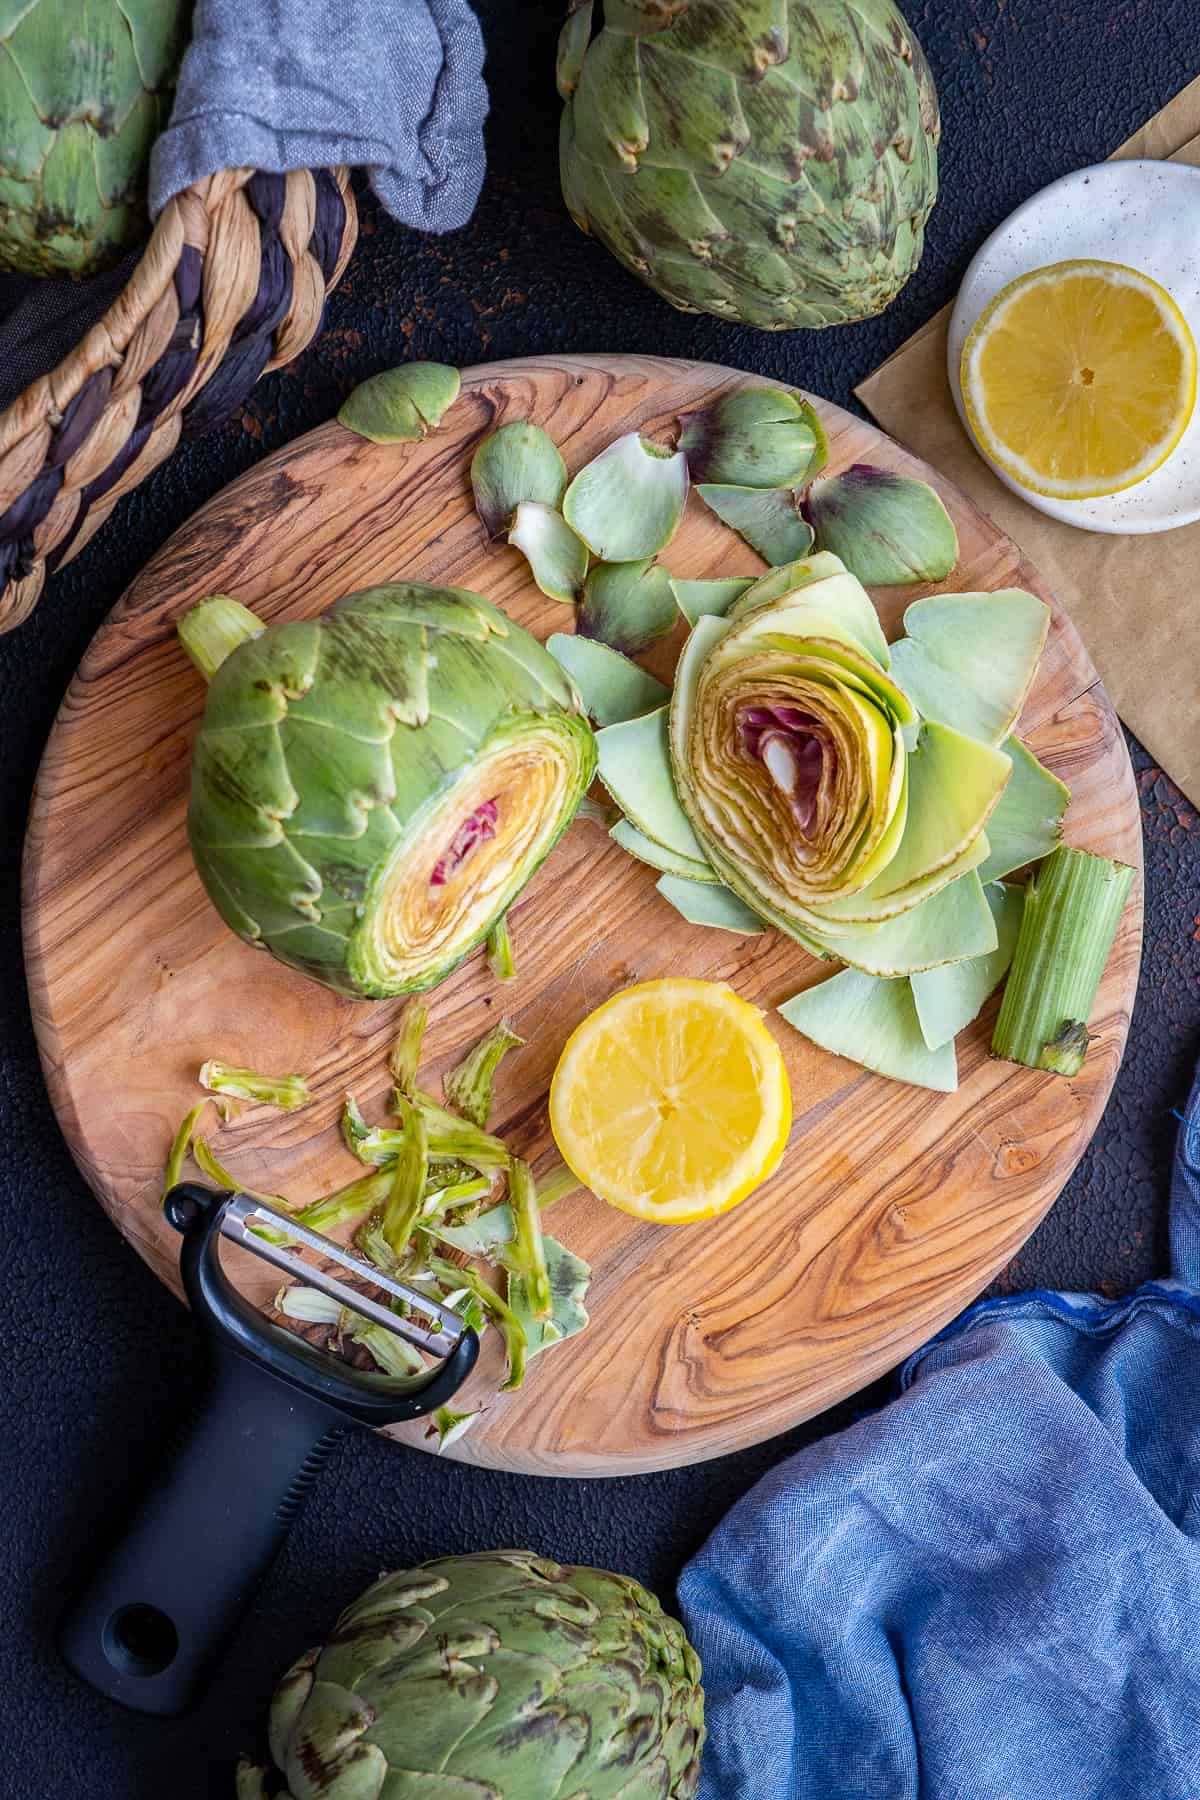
x=501, y=1676
x=771, y=161
x=372, y=788
x=85, y=88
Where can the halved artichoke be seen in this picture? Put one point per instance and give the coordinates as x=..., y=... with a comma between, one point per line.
x=372, y=788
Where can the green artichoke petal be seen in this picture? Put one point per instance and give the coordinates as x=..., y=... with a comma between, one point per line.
x=248, y=791
x=627, y=605
x=441, y=1708
x=768, y=520
x=569, y=1277
x=518, y=462
x=968, y=660
x=1028, y=819
x=557, y=559
x=573, y=41
x=627, y=502
x=608, y=113
x=747, y=38
x=612, y=688
x=708, y=132
x=328, y=1757
x=888, y=528
x=709, y=599
x=661, y=206
x=949, y=998
x=707, y=904
x=160, y=36
x=635, y=767
x=951, y=925
x=657, y=856
x=335, y=798
x=874, y=1023
x=954, y=783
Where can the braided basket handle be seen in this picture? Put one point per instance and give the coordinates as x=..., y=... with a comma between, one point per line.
x=232, y=284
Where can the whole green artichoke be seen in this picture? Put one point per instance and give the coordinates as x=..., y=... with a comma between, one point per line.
x=494, y=1677
x=372, y=788
x=771, y=161
x=85, y=88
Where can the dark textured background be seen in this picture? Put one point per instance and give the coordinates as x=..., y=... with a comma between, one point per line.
x=96, y=1359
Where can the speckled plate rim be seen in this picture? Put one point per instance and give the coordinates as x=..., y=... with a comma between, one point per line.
x=1163, y=242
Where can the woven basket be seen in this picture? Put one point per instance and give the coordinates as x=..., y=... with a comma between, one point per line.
x=232, y=284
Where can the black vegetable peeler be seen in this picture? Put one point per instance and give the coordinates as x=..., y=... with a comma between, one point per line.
x=158, y=1612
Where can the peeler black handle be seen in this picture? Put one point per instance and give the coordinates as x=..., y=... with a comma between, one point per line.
x=157, y=1614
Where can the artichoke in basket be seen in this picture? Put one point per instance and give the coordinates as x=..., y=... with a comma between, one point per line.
x=493, y=1677
x=372, y=788
x=771, y=161
x=85, y=88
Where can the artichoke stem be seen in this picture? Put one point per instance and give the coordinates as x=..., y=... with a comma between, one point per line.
x=214, y=628
x=1073, y=906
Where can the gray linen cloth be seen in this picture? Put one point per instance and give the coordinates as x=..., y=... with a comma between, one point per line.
x=393, y=86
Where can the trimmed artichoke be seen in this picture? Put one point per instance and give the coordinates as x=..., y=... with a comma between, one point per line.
x=494, y=1677
x=771, y=161
x=85, y=88
x=372, y=789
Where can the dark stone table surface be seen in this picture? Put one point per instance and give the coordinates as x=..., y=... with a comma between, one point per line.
x=96, y=1359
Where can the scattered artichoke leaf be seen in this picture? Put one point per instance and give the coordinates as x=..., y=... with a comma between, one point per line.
x=310, y=1306
x=347, y=1205
x=468, y=1086
x=402, y=1209
x=180, y=1145
x=754, y=437
x=518, y=462
x=874, y=1023
x=355, y=1130
x=954, y=784
x=557, y=559
x=611, y=687
x=287, y=1092
x=450, y=1136
x=627, y=502
x=498, y=1312
x=483, y=1236
x=393, y=1354
x=447, y=1426
x=568, y=1276
x=657, y=856
x=709, y=599
x=968, y=660
x=401, y=405
x=889, y=529
x=1073, y=906
x=951, y=925
x=207, y=1162
x=834, y=594
x=766, y=519
x=627, y=605
x=404, y=1058
x=1028, y=821
x=948, y=998
x=635, y=766
x=702, y=903
x=501, y=958
x=526, y=1255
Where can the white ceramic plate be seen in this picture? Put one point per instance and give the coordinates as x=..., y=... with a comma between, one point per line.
x=1146, y=214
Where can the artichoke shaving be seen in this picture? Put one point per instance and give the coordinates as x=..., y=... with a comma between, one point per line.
x=287, y=1092
x=468, y=1086
x=657, y=856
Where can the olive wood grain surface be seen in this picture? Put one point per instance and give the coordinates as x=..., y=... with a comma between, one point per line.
x=893, y=1207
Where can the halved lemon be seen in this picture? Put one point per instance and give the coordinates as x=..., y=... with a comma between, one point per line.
x=1079, y=379
x=671, y=1100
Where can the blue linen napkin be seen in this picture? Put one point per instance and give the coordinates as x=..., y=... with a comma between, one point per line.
x=990, y=1589
x=393, y=86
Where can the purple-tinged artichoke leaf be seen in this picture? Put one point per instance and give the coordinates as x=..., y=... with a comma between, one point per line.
x=888, y=529
x=401, y=405
x=757, y=437
x=627, y=605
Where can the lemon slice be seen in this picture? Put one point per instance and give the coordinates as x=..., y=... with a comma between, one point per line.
x=1079, y=379
x=671, y=1100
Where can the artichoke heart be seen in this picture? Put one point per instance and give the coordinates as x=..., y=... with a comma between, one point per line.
x=373, y=788
x=809, y=778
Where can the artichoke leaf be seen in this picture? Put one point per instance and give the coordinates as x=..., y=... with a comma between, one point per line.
x=627, y=502
x=704, y=599
x=401, y=405
x=635, y=843
x=754, y=437
x=557, y=559
x=953, y=924
x=611, y=687
x=873, y=1022
x=701, y=903
x=968, y=660
x=954, y=784
x=468, y=1086
x=869, y=906
x=518, y=462
x=949, y=998
x=573, y=41
x=823, y=583
x=888, y=528
x=766, y=519
x=627, y=605
x=568, y=1276
x=635, y=766
x=1028, y=821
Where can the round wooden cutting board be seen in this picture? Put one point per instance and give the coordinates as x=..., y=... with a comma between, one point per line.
x=893, y=1206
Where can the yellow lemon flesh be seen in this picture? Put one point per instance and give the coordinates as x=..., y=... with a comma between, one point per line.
x=671, y=1101
x=1079, y=379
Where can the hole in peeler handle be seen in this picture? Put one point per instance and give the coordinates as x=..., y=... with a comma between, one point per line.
x=140, y=1640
